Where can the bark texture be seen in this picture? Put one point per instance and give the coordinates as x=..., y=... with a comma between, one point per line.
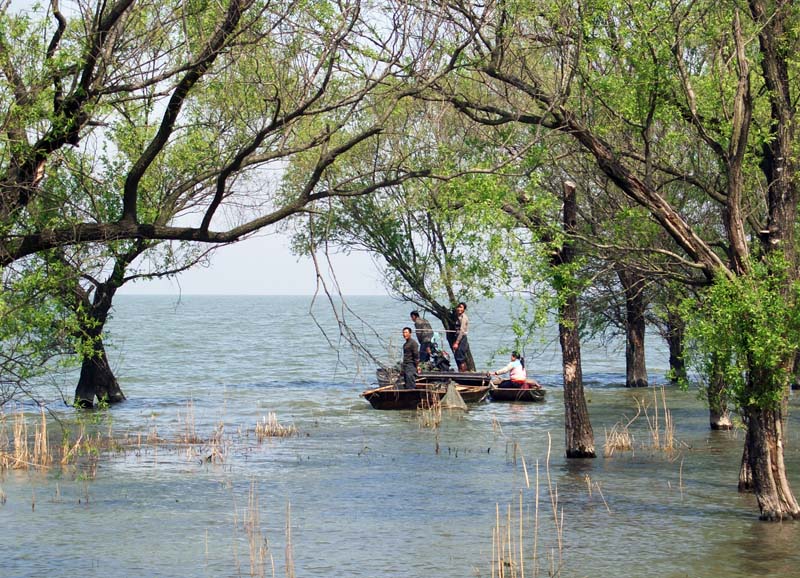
x=765, y=442
x=578, y=428
x=635, y=306
x=676, y=329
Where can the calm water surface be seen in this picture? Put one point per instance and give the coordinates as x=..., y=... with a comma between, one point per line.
x=373, y=493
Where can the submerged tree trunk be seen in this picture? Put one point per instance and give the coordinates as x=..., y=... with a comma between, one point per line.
x=578, y=428
x=717, y=393
x=676, y=329
x=745, y=473
x=97, y=379
x=635, y=306
x=765, y=442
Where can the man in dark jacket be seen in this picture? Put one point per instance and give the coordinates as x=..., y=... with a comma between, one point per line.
x=424, y=335
x=410, y=360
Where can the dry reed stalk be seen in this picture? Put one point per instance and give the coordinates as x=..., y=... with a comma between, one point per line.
x=21, y=455
x=258, y=544
x=536, y=524
x=41, y=448
x=189, y=432
x=429, y=416
x=521, y=532
x=497, y=429
x=270, y=428
x=289, y=552
x=620, y=438
x=669, y=425
x=660, y=441
x=69, y=452
x=5, y=444
x=509, y=535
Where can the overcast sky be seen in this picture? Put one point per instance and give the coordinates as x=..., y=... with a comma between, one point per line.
x=263, y=266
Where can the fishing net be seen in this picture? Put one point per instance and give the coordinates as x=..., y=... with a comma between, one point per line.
x=452, y=399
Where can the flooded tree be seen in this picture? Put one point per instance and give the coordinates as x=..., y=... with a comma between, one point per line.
x=570, y=72
x=154, y=121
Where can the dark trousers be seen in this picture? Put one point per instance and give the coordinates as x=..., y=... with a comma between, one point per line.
x=409, y=376
x=424, y=351
x=514, y=384
x=461, y=353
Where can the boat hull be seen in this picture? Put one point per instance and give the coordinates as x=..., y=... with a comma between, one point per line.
x=514, y=394
x=461, y=378
x=424, y=396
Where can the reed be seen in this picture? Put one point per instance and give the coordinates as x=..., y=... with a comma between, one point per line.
x=189, y=432
x=515, y=528
x=41, y=448
x=662, y=428
x=620, y=437
x=261, y=560
x=269, y=427
x=429, y=416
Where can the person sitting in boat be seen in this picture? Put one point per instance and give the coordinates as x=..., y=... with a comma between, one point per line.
x=518, y=377
x=410, y=360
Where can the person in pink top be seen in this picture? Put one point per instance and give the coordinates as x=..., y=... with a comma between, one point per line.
x=517, y=375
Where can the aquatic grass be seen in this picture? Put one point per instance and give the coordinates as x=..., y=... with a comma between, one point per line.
x=15, y=451
x=511, y=532
x=660, y=428
x=269, y=427
x=659, y=440
x=259, y=550
x=189, y=432
x=429, y=416
x=29, y=446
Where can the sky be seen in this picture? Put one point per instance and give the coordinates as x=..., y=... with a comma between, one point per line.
x=261, y=265
x=264, y=265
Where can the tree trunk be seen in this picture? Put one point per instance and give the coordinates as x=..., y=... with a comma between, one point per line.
x=676, y=328
x=635, y=305
x=97, y=380
x=765, y=441
x=719, y=418
x=578, y=428
x=745, y=473
x=579, y=434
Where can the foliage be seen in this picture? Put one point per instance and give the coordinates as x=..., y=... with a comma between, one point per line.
x=750, y=325
x=37, y=332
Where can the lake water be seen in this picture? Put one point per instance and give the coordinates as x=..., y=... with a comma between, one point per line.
x=374, y=493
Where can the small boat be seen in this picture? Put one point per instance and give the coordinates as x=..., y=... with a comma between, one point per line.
x=461, y=378
x=516, y=394
x=392, y=376
x=425, y=395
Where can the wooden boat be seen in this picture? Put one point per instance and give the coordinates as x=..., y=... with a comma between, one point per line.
x=516, y=394
x=461, y=378
x=392, y=376
x=425, y=395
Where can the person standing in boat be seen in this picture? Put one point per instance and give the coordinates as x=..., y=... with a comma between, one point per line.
x=410, y=360
x=461, y=344
x=424, y=332
x=518, y=377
